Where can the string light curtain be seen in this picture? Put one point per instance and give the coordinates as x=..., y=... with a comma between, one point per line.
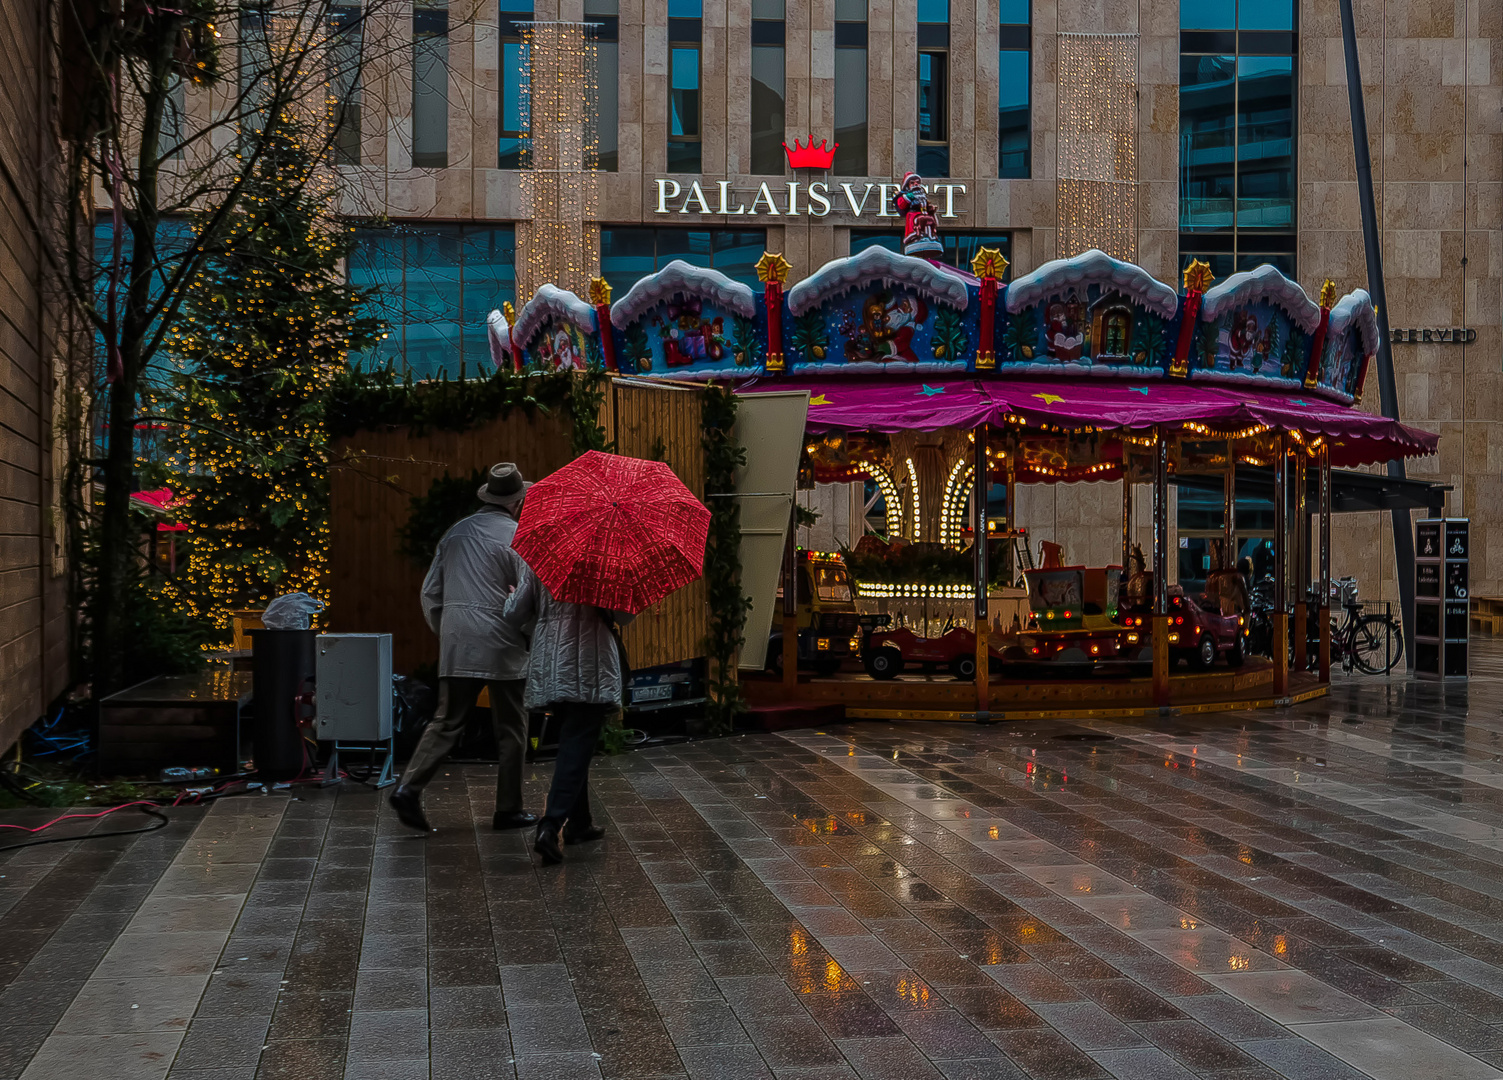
x=1097, y=144
x=558, y=238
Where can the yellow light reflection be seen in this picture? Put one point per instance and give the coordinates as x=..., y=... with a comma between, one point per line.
x=1239, y=963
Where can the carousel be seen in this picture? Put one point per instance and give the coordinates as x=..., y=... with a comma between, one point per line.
x=942, y=386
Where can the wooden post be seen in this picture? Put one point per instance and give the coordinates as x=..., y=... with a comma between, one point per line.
x=790, y=604
x=1301, y=571
x=1280, y=614
x=1160, y=567
x=1126, y=510
x=983, y=574
x=1325, y=564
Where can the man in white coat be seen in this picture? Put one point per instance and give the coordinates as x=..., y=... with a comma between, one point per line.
x=464, y=595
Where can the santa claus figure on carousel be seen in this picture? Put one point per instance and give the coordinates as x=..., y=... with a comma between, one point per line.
x=920, y=229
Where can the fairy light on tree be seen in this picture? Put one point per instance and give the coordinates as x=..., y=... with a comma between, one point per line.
x=261, y=333
x=558, y=236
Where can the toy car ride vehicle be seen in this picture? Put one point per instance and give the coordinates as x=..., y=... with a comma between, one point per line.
x=888, y=652
x=828, y=622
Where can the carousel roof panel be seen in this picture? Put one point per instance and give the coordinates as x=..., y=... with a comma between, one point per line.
x=1092, y=268
x=679, y=278
x=900, y=404
x=839, y=276
x=498, y=333
x=551, y=301
x=1262, y=283
x=1356, y=307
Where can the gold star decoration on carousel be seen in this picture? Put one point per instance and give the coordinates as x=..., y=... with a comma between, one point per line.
x=600, y=291
x=1048, y=399
x=819, y=399
x=989, y=263
x=1328, y=294
x=772, y=267
x=1198, y=276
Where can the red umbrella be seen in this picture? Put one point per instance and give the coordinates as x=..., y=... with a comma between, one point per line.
x=616, y=532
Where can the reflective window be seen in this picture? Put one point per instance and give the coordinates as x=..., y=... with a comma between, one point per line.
x=344, y=82
x=1237, y=135
x=607, y=35
x=684, y=36
x=514, y=109
x=628, y=253
x=850, y=87
x=430, y=84
x=933, y=88
x=438, y=285
x=768, y=74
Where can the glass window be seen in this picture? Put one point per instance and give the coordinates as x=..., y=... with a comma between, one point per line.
x=768, y=73
x=344, y=82
x=933, y=11
x=1237, y=138
x=607, y=34
x=959, y=247
x=438, y=285
x=933, y=132
x=850, y=87
x=1014, y=107
x=514, y=70
x=430, y=84
x=174, y=117
x=683, y=110
x=628, y=253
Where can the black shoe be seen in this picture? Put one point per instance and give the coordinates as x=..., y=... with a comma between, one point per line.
x=409, y=807
x=583, y=834
x=546, y=844
x=513, y=819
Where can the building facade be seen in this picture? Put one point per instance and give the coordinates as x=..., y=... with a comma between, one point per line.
x=1236, y=149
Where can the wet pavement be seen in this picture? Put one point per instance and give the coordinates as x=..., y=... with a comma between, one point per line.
x=1315, y=894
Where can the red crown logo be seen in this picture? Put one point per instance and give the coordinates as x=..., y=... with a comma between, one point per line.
x=811, y=156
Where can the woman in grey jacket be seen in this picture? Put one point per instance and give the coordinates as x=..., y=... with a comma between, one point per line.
x=575, y=672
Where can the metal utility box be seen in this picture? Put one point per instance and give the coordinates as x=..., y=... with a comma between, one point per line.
x=353, y=687
x=1441, y=596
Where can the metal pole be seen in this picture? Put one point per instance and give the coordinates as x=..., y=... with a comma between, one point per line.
x=1324, y=606
x=1126, y=510
x=979, y=488
x=1160, y=522
x=1280, y=614
x=1228, y=509
x=1403, y=534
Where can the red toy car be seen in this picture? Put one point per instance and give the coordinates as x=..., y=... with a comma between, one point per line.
x=887, y=652
x=1198, y=636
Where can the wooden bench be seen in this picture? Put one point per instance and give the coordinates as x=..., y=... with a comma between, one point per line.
x=1487, y=614
x=187, y=720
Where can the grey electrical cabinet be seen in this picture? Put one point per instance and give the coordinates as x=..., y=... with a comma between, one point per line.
x=1442, y=597
x=353, y=687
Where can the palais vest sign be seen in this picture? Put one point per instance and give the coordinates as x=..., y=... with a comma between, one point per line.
x=796, y=198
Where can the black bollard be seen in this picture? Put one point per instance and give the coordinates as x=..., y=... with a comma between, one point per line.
x=282, y=665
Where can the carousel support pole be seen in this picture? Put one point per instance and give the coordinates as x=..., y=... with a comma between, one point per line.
x=1325, y=564
x=1126, y=510
x=1160, y=568
x=1301, y=566
x=1229, y=509
x=1280, y=614
x=979, y=487
x=790, y=605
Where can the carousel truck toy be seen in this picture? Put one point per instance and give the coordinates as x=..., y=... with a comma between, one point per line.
x=1073, y=625
x=828, y=623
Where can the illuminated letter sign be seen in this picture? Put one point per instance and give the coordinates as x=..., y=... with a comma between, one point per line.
x=815, y=199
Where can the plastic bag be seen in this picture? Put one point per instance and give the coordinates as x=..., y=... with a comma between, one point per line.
x=290, y=612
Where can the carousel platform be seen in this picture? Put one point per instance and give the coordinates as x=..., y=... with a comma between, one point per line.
x=940, y=697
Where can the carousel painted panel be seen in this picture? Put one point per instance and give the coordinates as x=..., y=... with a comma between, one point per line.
x=878, y=311
x=1256, y=326
x=1351, y=341
x=690, y=322
x=559, y=345
x=1091, y=313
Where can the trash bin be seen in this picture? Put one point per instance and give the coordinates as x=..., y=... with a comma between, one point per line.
x=282, y=665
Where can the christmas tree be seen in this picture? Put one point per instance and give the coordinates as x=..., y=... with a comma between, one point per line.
x=261, y=335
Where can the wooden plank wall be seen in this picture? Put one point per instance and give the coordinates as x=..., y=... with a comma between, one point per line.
x=33, y=616
x=662, y=422
x=373, y=588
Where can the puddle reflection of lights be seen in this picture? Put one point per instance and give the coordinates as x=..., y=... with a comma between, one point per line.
x=992, y=833
x=1244, y=855
x=1187, y=923
x=798, y=942
x=833, y=975
x=1281, y=946
x=1239, y=963
x=913, y=991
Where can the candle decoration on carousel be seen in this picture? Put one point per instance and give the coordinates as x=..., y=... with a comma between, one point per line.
x=600, y=296
x=1198, y=279
x=1318, y=343
x=989, y=265
x=511, y=334
x=772, y=271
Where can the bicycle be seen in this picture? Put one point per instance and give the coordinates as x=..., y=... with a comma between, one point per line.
x=1370, y=642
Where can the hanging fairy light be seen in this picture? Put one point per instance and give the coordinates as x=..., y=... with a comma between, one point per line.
x=1097, y=144
x=957, y=489
x=890, y=500
x=558, y=236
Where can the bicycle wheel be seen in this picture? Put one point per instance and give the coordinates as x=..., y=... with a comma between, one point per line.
x=1373, y=650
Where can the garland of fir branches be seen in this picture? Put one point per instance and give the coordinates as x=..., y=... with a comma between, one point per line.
x=727, y=603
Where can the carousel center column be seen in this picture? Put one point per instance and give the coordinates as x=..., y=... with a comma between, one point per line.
x=979, y=487
x=1160, y=567
x=1301, y=563
x=790, y=605
x=1324, y=615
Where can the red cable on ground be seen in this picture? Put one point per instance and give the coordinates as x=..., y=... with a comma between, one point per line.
x=67, y=817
